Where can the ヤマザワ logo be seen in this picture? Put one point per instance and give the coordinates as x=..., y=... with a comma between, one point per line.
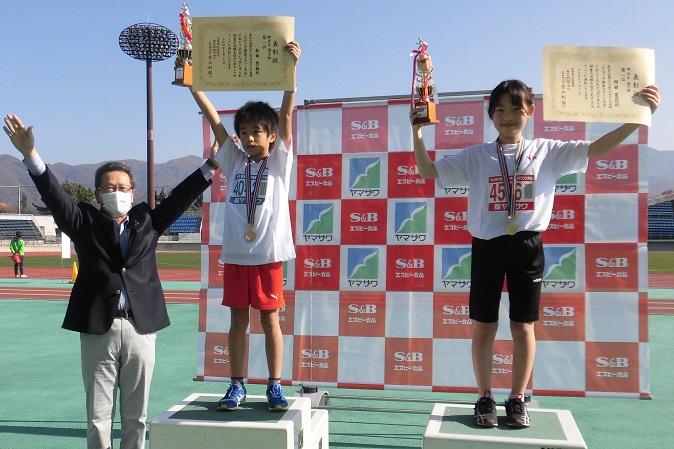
x=318, y=222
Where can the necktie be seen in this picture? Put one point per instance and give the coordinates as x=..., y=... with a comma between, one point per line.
x=124, y=239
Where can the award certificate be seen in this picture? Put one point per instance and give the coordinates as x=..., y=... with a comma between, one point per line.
x=242, y=53
x=597, y=84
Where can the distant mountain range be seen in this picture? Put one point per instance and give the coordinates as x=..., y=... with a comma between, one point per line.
x=660, y=172
x=167, y=175
x=13, y=173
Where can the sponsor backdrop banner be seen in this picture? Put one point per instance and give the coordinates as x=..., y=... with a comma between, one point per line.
x=378, y=295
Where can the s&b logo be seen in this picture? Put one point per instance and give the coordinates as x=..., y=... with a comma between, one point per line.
x=501, y=359
x=317, y=263
x=456, y=310
x=408, y=356
x=462, y=120
x=406, y=170
x=456, y=216
x=619, y=164
x=613, y=362
x=315, y=354
x=363, y=308
x=325, y=172
x=559, y=311
x=410, y=263
x=612, y=262
x=565, y=214
x=367, y=217
x=357, y=125
x=221, y=350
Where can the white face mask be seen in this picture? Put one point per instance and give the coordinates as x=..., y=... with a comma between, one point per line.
x=116, y=203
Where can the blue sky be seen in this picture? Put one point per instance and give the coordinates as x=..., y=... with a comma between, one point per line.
x=64, y=73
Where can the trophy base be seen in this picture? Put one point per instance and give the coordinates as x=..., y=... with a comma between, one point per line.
x=183, y=76
x=427, y=116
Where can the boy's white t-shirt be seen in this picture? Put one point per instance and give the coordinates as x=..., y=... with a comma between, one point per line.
x=543, y=162
x=274, y=240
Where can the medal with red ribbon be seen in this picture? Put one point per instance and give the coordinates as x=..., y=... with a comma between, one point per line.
x=510, y=188
x=252, y=193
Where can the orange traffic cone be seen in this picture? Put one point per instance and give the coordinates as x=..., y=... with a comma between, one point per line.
x=72, y=280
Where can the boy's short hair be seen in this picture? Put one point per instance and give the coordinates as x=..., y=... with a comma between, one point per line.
x=520, y=95
x=113, y=166
x=258, y=112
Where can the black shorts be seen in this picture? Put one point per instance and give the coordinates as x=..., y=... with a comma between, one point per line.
x=520, y=260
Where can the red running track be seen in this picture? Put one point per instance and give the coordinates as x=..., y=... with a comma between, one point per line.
x=63, y=293
x=660, y=306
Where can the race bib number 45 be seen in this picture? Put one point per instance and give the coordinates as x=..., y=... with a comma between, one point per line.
x=524, y=193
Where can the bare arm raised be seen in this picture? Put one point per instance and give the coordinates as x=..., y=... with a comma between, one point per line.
x=288, y=104
x=212, y=116
x=424, y=163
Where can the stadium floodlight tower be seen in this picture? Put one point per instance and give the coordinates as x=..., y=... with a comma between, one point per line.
x=149, y=42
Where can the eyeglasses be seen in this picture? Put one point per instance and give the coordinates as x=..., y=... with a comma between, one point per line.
x=110, y=189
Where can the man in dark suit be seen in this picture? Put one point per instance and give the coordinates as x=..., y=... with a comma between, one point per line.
x=117, y=303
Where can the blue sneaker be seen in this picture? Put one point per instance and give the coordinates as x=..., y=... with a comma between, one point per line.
x=236, y=395
x=276, y=402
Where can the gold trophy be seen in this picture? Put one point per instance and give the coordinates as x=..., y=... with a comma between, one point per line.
x=423, y=86
x=183, y=66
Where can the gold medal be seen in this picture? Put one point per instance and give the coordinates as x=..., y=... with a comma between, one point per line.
x=511, y=229
x=252, y=192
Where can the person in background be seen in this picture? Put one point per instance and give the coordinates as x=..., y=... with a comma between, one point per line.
x=17, y=247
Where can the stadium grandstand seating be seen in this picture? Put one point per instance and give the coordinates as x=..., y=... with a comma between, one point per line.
x=186, y=224
x=661, y=221
x=28, y=229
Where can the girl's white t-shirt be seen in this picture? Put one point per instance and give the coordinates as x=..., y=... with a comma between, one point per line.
x=274, y=240
x=543, y=162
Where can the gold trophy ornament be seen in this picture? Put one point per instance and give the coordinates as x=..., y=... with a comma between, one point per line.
x=183, y=66
x=423, y=86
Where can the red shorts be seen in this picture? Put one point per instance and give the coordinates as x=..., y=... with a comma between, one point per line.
x=257, y=286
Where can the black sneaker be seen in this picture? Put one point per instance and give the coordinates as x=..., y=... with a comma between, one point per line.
x=485, y=412
x=516, y=411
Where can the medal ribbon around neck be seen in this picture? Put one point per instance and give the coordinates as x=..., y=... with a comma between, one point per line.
x=253, y=190
x=510, y=188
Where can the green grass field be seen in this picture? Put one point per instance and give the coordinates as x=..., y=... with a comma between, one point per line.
x=182, y=260
x=660, y=262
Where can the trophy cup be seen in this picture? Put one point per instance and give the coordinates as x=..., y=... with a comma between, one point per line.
x=423, y=86
x=183, y=66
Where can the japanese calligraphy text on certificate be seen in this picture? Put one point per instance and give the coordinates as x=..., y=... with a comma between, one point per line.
x=242, y=53
x=597, y=84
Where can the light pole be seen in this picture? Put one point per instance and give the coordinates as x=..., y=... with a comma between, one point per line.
x=149, y=42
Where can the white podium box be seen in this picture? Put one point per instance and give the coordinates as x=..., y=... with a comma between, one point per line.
x=197, y=422
x=319, y=430
x=451, y=425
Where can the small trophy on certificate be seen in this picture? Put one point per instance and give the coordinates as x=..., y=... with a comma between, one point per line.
x=183, y=66
x=423, y=86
